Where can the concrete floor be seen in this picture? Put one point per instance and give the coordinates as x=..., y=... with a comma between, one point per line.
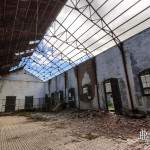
x=70, y=131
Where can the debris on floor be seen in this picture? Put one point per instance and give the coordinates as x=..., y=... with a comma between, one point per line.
x=72, y=130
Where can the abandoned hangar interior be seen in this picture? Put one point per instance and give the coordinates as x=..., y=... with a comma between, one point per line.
x=87, y=54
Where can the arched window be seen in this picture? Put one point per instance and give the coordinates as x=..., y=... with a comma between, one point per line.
x=145, y=82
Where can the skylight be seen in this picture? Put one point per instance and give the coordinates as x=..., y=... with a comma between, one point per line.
x=82, y=30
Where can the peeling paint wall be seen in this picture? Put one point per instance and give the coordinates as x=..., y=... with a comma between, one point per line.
x=72, y=83
x=60, y=83
x=109, y=65
x=52, y=85
x=86, y=75
x=57, y=84
x=20, y=84
x=138, y=56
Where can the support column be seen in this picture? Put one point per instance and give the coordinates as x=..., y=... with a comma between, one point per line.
x=120, y=46
x=97, y=86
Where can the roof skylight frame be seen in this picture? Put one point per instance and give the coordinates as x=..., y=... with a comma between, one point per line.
x=61, y=66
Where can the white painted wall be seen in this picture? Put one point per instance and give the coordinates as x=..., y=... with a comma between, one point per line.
x=21, y=84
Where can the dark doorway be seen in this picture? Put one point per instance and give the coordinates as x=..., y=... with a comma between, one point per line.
x=10, y=104
x=71, y=97
x=53, y=102
x=60, y=96
x=47, y=103
x=28, y=102
x=112, y=96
